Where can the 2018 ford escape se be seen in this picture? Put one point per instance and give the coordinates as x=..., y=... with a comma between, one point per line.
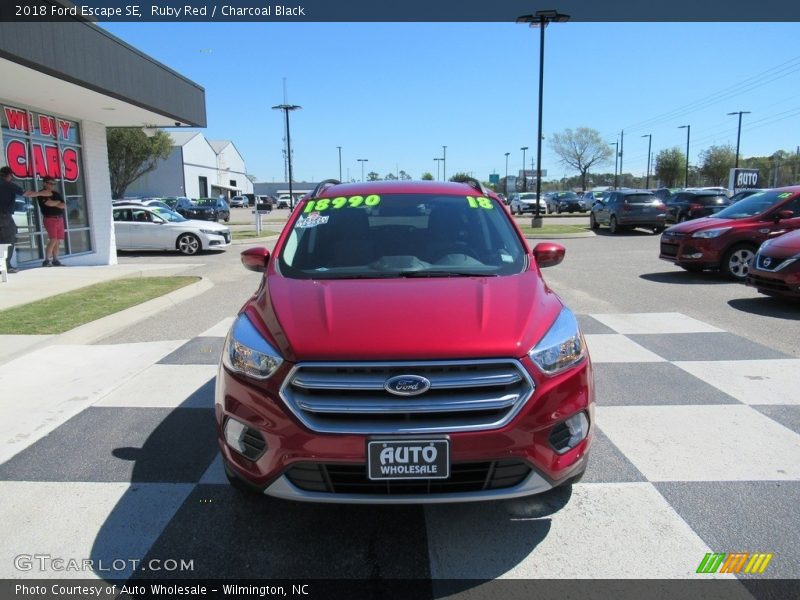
x=402, y=347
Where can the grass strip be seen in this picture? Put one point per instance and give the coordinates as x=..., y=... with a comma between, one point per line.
x=57, y=314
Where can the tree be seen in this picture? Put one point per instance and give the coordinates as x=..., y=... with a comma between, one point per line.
x=404, y=175
x=581, y=149
x=426, y=176
x=670, y=166
x=373, y=176
x=716, y=163
x=390, y=177
x=131, y=154
x=460, y=177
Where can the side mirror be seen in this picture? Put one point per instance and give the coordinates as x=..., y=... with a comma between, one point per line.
x=784, y=214
x=548, y=254
x=255, y=259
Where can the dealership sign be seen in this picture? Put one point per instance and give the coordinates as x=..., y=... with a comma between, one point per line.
x=743, y=179
x=39, y=158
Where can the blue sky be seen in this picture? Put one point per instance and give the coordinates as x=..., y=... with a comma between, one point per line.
x=395, y=93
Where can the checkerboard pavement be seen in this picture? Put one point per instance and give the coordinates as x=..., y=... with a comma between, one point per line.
x=697, y=449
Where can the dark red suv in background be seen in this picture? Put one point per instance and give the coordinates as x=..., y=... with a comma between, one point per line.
x=729, y=239
x=403, y=347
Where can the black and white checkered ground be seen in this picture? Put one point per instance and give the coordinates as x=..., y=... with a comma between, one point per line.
x=108, y=453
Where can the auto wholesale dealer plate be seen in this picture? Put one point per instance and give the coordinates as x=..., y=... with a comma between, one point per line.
x=408, y=459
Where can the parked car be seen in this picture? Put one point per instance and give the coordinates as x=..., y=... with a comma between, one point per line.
x=775, y=270
x=140, y=227
x=664, y=193
x=522, y=202
x=189, y=209
x=284, y=201
x=592, y=196
x=729, y=239
x=341, y=381
x=240, y=202
x=222, y=210
x=687, y=205
x=741, y=195
x=628, y=208
x=569, y=202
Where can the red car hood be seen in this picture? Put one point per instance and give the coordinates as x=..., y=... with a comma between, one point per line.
x=407, y=319
x=705, y=223
x=785, y=245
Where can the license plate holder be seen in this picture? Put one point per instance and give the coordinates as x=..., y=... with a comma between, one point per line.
x=408, y=459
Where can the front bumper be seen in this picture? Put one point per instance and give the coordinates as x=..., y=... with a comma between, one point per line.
x=289, y=444
x=776, y=283
x=689, y=251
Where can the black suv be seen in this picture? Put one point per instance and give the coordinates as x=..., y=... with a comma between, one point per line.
x=688, y=205
x=628, y=208
x=220, y=207
x=183, y=206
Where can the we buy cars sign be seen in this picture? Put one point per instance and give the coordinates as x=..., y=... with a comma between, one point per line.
x=39, y=158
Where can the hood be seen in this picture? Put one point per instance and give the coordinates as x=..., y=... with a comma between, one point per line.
x=784, y=245
x=203, y=224
x=407, y=319
x=704, y=223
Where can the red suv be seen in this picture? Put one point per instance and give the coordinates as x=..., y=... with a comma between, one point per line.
x=729, y=239
x=776, y=268
x=403, y=347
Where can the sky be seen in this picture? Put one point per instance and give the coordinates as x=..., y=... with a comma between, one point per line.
x=395, y=93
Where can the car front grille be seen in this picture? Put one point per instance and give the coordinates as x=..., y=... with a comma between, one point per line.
x=351, y=397
x=669, y=249
x=333, y=478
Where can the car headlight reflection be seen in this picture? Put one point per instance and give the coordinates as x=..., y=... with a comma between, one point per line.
x=710, y=233
x=562, y=347
x=248, y=353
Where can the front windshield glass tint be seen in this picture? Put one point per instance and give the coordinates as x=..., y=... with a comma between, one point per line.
x=206, y=202
x=752, y=205
x=401, y=235
x=169, y=215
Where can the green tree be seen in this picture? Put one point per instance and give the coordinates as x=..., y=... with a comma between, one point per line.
x=581, y=149
x=460, y=177
x=670, y=166
x=390, y=177
x=404, y=176
x=373, y=176
x=716, y=163
x=131, y=154
x=426, y=176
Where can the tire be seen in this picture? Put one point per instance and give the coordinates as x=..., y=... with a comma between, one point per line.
x=558, y=210
x=188, y=244
x=736, y=261
x=593, y=224
x=612, y=225
x=228, y=218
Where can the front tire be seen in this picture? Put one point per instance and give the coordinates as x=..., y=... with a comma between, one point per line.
x=188, y=244
x=736, y=262
x=593, y=224
x=612, y=225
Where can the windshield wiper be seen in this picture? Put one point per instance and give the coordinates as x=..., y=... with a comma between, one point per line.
x=449, y=273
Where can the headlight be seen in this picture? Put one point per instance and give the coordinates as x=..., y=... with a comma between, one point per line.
x=211, y=231
x=562, y=347
x=247, y=352
x=710, y=233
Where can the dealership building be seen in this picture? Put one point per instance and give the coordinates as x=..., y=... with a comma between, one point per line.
x=63, y=84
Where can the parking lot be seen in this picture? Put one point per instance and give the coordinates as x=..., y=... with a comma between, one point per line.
x=696, y=448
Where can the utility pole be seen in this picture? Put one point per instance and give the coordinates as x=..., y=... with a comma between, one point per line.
x=621, y=150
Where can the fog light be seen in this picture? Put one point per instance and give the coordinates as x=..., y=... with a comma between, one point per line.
x=569, y=433
x=243, y=439
x=695, y=255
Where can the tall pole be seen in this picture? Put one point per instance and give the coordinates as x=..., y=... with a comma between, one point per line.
x=524, y=176
x=444, y=163
x=616, y=158
x=340, y=162
x=362, y=161
x=505, y=185
x=688, y=129
x=286, y=108
x=438, y=161
x=649, y=137
x=621, y=152
x=542, y=25
x=738, y=132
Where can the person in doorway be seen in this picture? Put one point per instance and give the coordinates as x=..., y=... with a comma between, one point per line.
x=52, y=208
x=8, y=228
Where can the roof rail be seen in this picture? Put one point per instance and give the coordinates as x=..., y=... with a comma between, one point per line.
x=472, y=182
x=322, y=185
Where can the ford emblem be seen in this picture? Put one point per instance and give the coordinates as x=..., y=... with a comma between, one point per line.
x=407, y=385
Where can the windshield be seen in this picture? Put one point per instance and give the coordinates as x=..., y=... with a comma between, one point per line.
x=752, y=205
x=206, y=201
x=169, y=215
x=527, y=196
x=401, y=235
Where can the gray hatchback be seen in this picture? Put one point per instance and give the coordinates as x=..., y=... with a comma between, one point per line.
x=622, y=209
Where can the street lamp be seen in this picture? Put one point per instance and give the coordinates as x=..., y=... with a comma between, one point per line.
x=438, y=160
x=738, y=132
x=540, y=20
x=339, y=148
x=649, y=137
x=616, y=160
x=688, y=129
x=505, y=184
x=286, y=108
x=444, y=163
x=524, y=176
x=362, y=161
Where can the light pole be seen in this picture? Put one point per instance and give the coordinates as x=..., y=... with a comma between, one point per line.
x=688, y=129
x=339, y=148
x=286, y=108
x=738, y=132
x=505, y=184
x=649, y=137
x=444, y=163
x=438, y=160
x=616, y=160
x=524, y=176
x=541, y=19
x=362, y=161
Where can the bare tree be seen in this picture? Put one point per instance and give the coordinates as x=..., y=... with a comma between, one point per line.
x=581, y=149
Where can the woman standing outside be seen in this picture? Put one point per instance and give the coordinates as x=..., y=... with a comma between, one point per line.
x=52, y=208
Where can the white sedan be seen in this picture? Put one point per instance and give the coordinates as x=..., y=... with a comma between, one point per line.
x=526, y=202
x=139, y=227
